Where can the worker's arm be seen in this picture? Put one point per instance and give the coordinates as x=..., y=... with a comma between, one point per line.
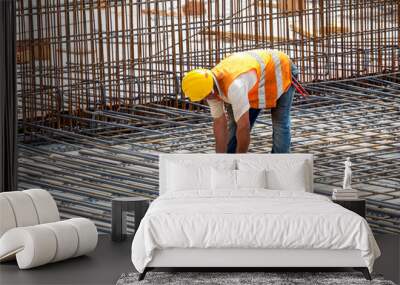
x=220, y=124
x=221, y=134
x=238, y=96
x=243, y=133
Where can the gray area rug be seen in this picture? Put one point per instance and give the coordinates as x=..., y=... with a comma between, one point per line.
x=243, y=278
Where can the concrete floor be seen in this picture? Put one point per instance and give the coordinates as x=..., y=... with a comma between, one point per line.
x=103, y=266
x=110, y=260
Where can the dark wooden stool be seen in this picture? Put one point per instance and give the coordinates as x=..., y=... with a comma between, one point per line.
x=120, y=206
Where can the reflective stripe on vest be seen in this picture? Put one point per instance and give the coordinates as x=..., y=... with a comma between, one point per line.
x=278, y=72
x=220, y=93
x=261, y=83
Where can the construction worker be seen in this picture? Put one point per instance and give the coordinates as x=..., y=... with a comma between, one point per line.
x=246, y=82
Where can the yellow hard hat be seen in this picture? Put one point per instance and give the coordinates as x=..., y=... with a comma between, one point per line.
x=197, y=84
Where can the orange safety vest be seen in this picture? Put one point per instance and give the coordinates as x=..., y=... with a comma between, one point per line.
x=273, y=75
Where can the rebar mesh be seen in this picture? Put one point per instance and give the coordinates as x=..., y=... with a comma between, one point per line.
x=115, y=153
x=77, y=55
x=99, y=92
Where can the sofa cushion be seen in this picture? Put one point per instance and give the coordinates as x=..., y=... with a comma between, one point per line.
x=67, y=240
x=7, y=218
x=87, y=235
x=23, y=208
x=45, y=205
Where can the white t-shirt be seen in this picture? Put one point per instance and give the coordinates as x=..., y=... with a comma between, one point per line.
x=237, y=96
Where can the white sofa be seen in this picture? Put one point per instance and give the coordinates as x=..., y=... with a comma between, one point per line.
x=31, y=231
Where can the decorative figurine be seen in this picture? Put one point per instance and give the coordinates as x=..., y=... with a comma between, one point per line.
x=347, y=175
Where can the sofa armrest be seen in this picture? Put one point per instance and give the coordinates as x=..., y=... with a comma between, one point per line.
x=33, y=246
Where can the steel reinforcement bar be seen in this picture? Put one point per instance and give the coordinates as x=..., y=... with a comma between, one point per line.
x=115, y=153
x=76, y=56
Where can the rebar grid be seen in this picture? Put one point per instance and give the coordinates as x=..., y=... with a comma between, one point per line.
x=113, y=153
x=80, y=55
x=99, y=92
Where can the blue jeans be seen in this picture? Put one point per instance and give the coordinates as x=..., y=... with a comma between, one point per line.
x=280, y=115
